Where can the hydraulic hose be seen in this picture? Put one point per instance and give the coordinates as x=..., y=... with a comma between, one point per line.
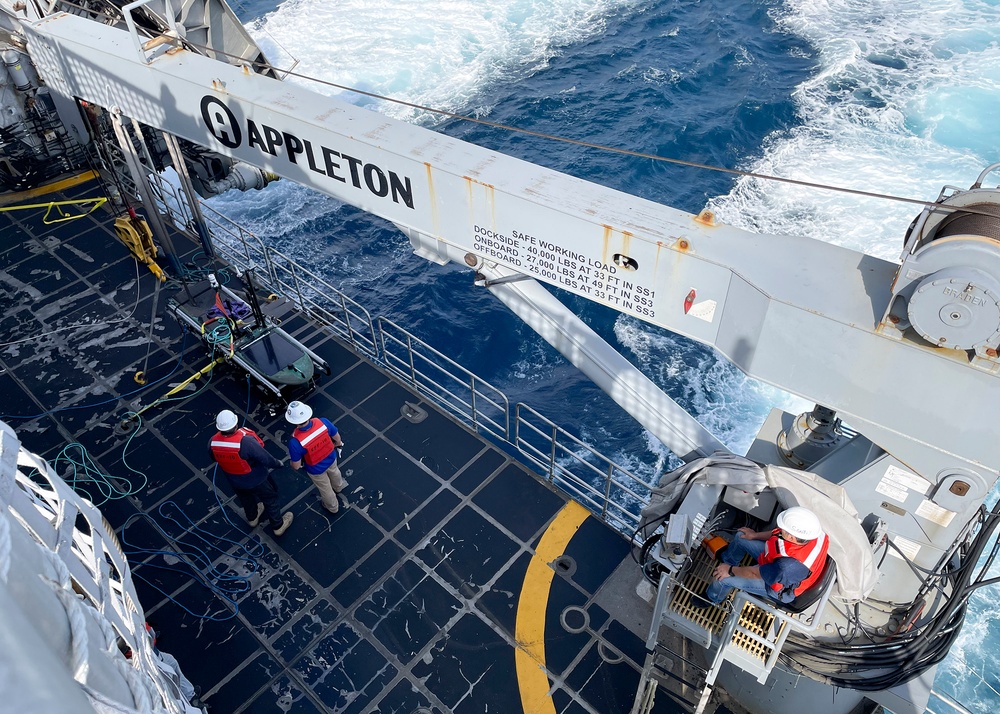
x=900, y=658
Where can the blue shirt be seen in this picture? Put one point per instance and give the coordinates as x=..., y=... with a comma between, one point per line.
x=296, y=452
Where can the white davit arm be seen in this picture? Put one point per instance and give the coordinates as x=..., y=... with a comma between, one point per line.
x=659, y=414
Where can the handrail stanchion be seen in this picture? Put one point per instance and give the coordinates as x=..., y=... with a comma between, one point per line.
x=472, y=388
x=552, y=455
x=413, y=369
x=298, y=287
x=269, y=264
x=607, y=490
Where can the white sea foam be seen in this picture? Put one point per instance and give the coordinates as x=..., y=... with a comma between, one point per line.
x=725, y=401
x=440, y=54
x=902, y=104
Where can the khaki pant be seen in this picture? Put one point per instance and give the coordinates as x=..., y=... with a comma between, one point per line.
x=329, y=484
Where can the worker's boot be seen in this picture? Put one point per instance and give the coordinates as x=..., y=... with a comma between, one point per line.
x=286, y=520
x=260, y=512
x=701, y=603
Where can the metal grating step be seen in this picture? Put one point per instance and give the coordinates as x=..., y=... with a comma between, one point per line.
x=696, y=581
x=754, y=632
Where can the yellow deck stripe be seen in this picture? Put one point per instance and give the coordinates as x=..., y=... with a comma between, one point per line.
x=70, y=182
x=529, y=627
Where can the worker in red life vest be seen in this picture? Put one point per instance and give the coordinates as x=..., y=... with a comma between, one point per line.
x=241, y=455
x=314, y=443
x=790, y=559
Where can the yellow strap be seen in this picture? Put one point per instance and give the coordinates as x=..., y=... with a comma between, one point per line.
x=95, y=203
x=179, y=387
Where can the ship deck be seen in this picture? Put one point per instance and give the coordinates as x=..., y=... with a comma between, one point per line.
x=457, y=581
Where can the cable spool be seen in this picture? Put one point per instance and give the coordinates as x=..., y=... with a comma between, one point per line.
x=651, y=568
x=979, y=219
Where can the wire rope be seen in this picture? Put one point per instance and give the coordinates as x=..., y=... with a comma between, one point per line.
x=241, y=61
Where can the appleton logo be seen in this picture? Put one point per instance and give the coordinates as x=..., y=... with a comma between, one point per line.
x=221, y=122
x=319, y=159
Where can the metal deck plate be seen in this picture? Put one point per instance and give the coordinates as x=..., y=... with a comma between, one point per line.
x=411, y=600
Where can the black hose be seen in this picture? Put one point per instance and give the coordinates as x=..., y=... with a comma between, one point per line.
x=900, y=658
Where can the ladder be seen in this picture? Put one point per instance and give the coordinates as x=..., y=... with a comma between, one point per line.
x=744, y=631
x=752, y=639
x=669, y=672
x=673, y=670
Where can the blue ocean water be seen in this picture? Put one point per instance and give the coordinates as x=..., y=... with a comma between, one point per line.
x=897, y=96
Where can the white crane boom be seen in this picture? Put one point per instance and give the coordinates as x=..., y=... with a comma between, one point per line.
x=797, y=313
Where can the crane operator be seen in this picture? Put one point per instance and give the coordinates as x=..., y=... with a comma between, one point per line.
x=790, y=559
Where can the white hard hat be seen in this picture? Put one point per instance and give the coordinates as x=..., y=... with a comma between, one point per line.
x=226, y=420
x=298, y=413
x=800, y=522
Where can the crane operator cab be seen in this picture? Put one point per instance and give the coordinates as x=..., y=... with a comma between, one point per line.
x=781, y=566
x=743, y=554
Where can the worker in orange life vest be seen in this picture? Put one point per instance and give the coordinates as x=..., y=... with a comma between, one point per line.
x=314, y=442
x=241, y=455
x=790, y=559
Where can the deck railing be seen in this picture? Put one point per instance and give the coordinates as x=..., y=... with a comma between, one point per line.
x=604, y=487
x=597, y=482
x=941, y=703
x=447, y=383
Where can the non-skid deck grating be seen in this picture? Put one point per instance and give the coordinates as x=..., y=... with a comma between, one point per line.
x=696, y=580
x=758, y=622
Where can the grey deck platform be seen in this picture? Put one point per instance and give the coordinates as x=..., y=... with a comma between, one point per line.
x=405, y=602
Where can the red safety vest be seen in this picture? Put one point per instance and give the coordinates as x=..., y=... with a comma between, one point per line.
x=226, y=451
x=315, y=439
x=811, y=554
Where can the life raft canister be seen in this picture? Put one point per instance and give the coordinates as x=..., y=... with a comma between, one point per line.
x=315, y=439
x=226, y=450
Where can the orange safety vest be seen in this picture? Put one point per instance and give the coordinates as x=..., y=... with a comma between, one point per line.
x=315, y=439
x=811, y=554
x=226, y=451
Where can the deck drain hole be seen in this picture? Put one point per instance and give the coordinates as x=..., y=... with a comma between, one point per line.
x=564, y=565
x=574, y=619
x=609, y=654
x=125, y=427
x=412, y=413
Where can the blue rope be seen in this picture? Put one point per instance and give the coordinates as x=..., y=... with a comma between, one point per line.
x=198, y=563
x=84, y=475
x=220, y=580
x=221, y=333
x=187, y=274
